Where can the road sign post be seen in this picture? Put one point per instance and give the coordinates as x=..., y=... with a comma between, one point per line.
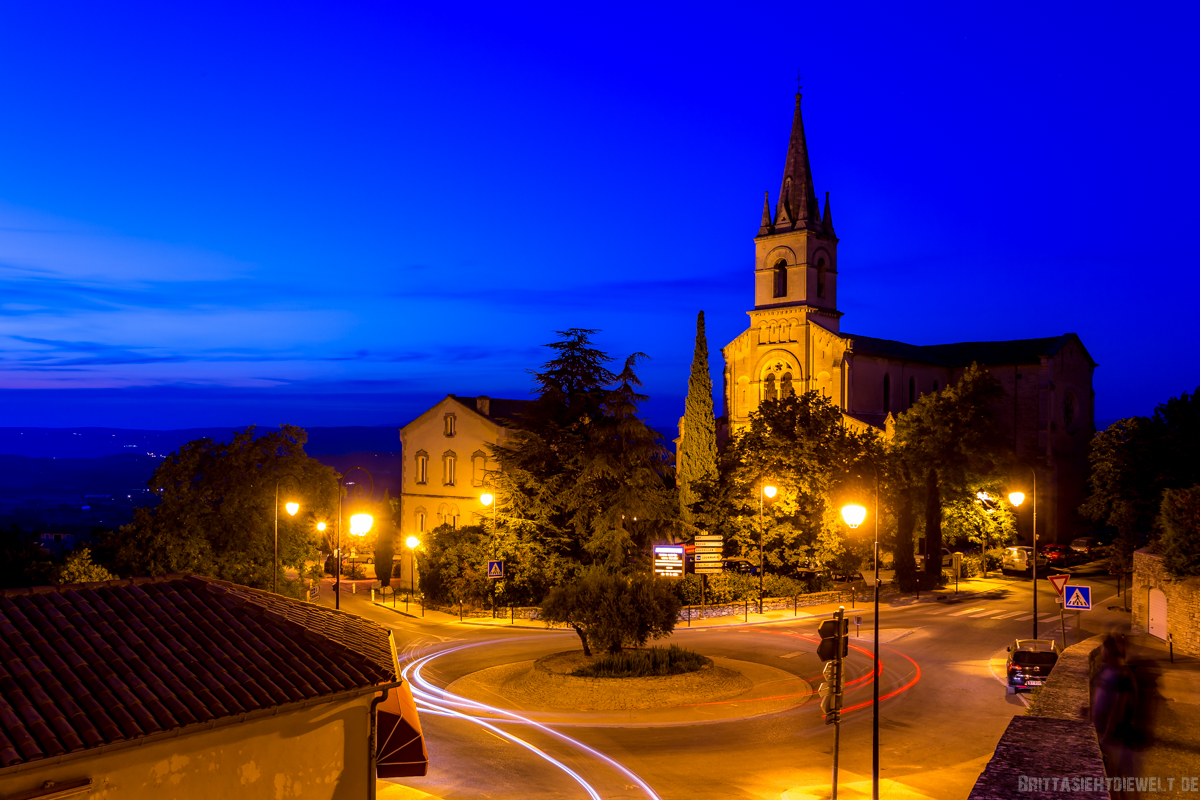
x=1058, y=582
x=1078, y=599
x=834, y=646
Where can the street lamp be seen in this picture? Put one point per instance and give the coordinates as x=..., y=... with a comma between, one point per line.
x=854, y=515
x=292, y=508
x=360, y=524
x=1016, y=498
x=413, y=543
x=769, y=491
x=489, y=499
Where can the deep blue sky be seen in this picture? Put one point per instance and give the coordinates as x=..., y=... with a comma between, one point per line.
x=333, y=214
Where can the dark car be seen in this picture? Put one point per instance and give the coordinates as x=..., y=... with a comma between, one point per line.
x=1059, y=555
x=742, y=565
x=1030, y=662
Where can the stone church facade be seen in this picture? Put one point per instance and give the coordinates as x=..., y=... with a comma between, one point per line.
x=795, y=344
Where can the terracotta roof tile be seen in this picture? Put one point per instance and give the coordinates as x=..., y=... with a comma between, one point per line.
x=91, y=664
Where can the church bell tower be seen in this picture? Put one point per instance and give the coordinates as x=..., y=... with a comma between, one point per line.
x=796, y=249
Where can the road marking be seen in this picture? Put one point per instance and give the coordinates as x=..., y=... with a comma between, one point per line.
x=793, y=655
x=1022, y=619
x=968, y=611
x=941, y=610
x=1047, y=618
x=1009, y=614
x=983, y=613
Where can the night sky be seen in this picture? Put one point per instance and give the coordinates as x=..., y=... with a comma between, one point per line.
x=334, y=214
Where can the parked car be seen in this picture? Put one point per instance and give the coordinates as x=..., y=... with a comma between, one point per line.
x=947, y=557
x=853, y=576
x=1087, y=547
x=743, y=565
x=1030, y=662
x=1020, y=559
x=1059, y=555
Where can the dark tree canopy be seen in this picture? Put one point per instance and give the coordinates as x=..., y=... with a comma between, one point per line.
x=610, y=611
x=217, y=510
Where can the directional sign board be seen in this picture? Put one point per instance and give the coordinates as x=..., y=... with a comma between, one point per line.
x=1079, y=598
x=708, y=550
x=1058, y=582
x=495, y=569
x=668, y=560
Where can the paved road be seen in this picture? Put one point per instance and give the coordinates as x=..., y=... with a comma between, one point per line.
x=941, y=658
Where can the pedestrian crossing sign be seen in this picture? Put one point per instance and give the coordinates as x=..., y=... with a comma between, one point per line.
x=1079, y=598
x=495, y=569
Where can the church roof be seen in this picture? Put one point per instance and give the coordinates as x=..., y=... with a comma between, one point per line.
x=963, y=354
x=498, y=408
x=798, y=206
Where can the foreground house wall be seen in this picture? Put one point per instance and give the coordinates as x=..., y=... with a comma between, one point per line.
x=315, y=752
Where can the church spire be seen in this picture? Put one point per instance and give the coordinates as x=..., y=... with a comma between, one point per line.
x=765, y=227
x=796, y=196
x=827, y=220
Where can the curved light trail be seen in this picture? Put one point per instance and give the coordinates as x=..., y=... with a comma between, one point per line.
x=437, y=701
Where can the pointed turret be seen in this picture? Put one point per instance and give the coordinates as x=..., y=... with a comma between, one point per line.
x=827, y=219
x=797, y=195
x=765, y=228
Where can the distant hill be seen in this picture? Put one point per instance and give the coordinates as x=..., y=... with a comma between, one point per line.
x=98, y=442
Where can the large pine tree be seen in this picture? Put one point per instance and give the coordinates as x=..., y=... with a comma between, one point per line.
x=698, y=443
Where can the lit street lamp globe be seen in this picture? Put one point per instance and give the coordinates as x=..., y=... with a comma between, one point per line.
x=769, y=491
x=412, y=542
x=1016, y=498
x=292, y=508
x=486, y=498
x=320, y=526
x=360, y=524
x=854, y=515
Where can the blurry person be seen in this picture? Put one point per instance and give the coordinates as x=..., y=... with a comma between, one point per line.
x=1114, y=705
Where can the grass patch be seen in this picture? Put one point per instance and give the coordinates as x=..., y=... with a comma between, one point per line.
x=652, y=661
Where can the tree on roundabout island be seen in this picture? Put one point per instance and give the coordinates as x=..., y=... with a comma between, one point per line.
x=610, y=611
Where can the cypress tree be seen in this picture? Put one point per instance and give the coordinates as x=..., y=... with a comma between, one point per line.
x=698, y=443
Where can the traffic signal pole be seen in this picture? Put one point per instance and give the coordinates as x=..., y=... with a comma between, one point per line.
x=833, y=648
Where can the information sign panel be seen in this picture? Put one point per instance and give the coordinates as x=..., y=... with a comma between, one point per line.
x=668, y=560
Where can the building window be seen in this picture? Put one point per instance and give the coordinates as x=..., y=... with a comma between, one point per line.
x=449, y=468
x=912, y=391
x=478, y=467
x=453, y=517
x=769, y=392
x=422, y=467
x=785, y=385
x=451, y=425
x=887, y=394
x=820, y=277
x=1069, y=412
x=420, y=519
x=781, y=278
x=443, y=515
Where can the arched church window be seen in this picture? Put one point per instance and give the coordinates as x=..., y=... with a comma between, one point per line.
x=887, y=393
x=820, y=277
x=912, y=391
x=769, y=388
x=785, y=385
x=781, y=278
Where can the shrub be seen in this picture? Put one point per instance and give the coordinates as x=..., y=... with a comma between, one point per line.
x=643, y=663
x=611, y=611
x=1179, y=519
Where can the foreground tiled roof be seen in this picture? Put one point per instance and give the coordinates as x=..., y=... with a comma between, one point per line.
x=86, y=665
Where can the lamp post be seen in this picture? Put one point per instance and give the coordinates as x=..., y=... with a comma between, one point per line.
x=769, y=492
x=1016, y=498
x=360, y=524
x=292, y=508
x=854, y=516
x=413, y=543
x=489, y=499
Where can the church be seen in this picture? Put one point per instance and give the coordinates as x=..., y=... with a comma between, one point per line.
x=795, y=344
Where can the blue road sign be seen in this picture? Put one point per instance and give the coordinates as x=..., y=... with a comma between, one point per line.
x=495, y=569
x=1077, y=598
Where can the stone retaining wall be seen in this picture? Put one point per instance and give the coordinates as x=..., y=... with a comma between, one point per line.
x=1055, y=741
x=1183, y=601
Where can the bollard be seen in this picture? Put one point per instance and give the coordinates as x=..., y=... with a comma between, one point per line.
x=353, y=588
x=1171, y=645
x=747, y=609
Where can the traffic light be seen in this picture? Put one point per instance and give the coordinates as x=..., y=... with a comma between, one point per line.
x=831, y=690
x=832, y=644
